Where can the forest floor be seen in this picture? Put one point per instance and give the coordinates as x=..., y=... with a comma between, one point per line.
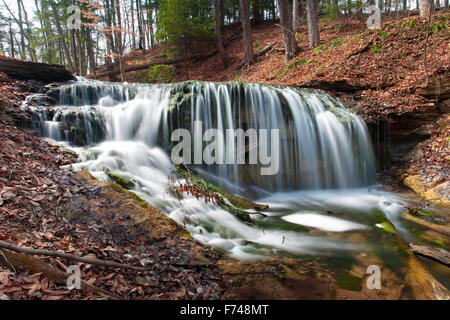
x=45, y=205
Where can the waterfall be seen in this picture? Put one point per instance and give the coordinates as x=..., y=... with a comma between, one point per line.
x=325, y=157
x=322, y=144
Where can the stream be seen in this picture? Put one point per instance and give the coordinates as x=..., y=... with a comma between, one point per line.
x=323, y=201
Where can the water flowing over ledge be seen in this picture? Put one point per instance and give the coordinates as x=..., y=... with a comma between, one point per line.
x=322, y=144
x=125, y=129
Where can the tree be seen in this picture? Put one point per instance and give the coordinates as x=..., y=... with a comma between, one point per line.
x=247, y=32
x=313, y=28
x=425, y=8
x=218, y=31
x=290, y=43
x=295, y=14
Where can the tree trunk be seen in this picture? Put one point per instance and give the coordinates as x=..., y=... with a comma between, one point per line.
x=295, y=15
x=61, y=36
x=405, y=4
x=11, y=39
x=425, y=8
x=119, y=41
x=22, y=33
x=27, y=70
x=290, y=44
x=247, y=32
x=90, y=51
x=313, y=28
x=217, y=29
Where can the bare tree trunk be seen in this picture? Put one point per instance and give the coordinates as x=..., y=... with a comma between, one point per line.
x=247, y=32
x=90, y=51
x=119, y=40
x=75, y=54
x=217, y=29
x=295, y=15
x=313, y=28
x=425, y=8
x=11, y=39
x=290, y=44
x=61, y=36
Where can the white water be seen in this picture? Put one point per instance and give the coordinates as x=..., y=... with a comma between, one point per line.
x=326, y=148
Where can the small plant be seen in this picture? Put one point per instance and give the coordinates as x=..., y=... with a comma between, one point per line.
x=157, y=73
x=336, y=43
x=376, y=48
x=409, y=23
x=383, y=34
x=438, y=26
x=318, y=49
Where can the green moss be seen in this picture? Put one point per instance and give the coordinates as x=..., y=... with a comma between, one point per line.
x=349, y=282
x=123, y=182
x=387, y=227
x=135, y=196
x=440, y=244
x=117, y=187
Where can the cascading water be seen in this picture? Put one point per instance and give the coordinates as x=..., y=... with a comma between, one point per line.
x=126, y=129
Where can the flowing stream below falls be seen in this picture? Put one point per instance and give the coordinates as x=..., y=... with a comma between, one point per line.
x=323, y=201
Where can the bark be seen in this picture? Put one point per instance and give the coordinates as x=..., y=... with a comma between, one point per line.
x=313, y=28
x=290, y=43
x=61, y=36
x=217, y=29
x=247, y=32
x=11, y=39
x=22, y=33
x=90, y=52
x=425, y=8
x=435, y=253
x=295, y=14
x=27, y=70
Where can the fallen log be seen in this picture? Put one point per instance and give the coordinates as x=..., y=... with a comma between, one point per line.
x=435, y=253
x=334, y=86
x=10, y=246
x=151, y=64
x=27, y=70
x=259, y=53
x=19, y=261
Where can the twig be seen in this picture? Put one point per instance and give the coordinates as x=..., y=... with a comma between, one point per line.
x=6, y=245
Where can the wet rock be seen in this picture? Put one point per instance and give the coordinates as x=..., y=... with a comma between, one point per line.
x=42, y=100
